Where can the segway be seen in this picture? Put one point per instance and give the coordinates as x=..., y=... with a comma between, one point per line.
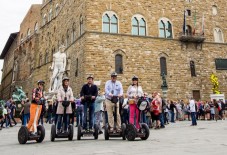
x=81, y=133
x=70, y=132
x=108, y=133
x=144, y=132
x=39, y=132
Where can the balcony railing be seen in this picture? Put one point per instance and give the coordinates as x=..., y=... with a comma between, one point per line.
x=194, y=38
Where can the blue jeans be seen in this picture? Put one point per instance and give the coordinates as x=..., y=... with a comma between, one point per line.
x=193, y=115
x=26, y=119
x=161, y=118
x=172, y=116
x=143, y=117
x=91, y=107
x=65, y=122
x=125, y=116
x=79, y=116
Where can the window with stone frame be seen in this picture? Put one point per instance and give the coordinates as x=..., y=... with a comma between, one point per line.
x=163, y=66
x=139, y=25
x=36, y=28
x=50, y=15
x=77, y=67
x=165, y=28
x=214, y=10
x=40, y=60
x=46, y=57
x=81, y=25
x=21, y=37
x=44, y=19
x=57, y=9
x=119, y=64
x=218, y=35
x=74, y=32
x=110, y=22
x=28, y=32
x=192, y=68
x=68, y=38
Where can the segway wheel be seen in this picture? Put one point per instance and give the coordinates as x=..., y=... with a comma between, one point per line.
x=79, y=132
x=71, y=132
x=23, y=135
x=130, y=132
x=106, y=132
x=53, y=133
x=123, y=128
x=96, y=131
x=146, y=130
x=41, y=133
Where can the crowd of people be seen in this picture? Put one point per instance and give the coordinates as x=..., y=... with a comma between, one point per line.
x=95, y=106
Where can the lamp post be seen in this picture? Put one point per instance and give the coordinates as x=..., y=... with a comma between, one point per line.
x=164, y=86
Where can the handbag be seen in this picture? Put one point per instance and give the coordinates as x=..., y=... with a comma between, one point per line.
x=131, y=101
x=65, y=104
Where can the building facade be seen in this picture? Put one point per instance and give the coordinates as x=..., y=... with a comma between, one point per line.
x=185, y=40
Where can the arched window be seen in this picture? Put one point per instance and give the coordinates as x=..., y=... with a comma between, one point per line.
x=68, y=38
x=165, y=28
x=135, y=26
x=44, y=19
x=40, y=60
x=114, y=24
x=77, y=67
x=110, y=22
x=36, y=27
x=192, y=68
x=214, y=10
x=74, y=32
x=218, y=35
x=81, y=25
x=139, y=25
x=50, y=15
x=106, y=23
x=57, y=9
x=21, y=37
x=163, y=66
x=119, y=64
x=28, y=33
x=47, y=57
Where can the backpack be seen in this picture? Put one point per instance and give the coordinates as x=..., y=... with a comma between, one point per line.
x=164, y=106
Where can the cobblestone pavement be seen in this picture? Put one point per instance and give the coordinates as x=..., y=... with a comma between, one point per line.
x=209, y=138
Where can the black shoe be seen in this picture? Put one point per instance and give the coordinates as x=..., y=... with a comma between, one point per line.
x=100, y=132
x=162, y=127
x=11, y=126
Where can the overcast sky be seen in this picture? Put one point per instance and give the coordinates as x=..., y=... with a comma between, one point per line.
x=12, y=12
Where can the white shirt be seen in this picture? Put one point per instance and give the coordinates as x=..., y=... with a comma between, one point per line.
x=192, y=105
x=134, y=91
x=125, y=104
x=114, y=88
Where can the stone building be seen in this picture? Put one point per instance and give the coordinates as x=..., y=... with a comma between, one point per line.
x=184, y=39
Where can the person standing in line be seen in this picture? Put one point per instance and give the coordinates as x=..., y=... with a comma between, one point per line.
x=193, y=111
x=26, y=112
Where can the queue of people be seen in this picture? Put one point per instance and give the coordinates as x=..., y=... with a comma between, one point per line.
x=94, y=106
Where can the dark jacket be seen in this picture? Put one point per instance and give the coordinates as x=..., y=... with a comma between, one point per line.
x=89, y=91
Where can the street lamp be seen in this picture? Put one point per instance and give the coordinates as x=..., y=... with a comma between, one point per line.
x=164, y=86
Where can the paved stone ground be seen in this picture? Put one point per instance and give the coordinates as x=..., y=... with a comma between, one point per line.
x=209, y=138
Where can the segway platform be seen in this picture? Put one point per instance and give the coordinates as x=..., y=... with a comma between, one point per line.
x=131, y=132
x=81, y=133
x=68, y=134
x=108, y=134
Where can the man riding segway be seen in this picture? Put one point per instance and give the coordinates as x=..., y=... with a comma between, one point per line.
x=113, y=91
x=88, y=95
x=33, y=131
x=64, y=109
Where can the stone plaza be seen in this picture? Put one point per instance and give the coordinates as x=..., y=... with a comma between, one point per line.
x=208, y=138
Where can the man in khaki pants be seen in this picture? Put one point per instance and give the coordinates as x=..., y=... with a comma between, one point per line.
x=113, y=89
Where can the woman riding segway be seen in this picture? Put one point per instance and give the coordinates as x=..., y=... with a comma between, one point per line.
x=33, y=131
x=64, y=109
x=137, y=104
